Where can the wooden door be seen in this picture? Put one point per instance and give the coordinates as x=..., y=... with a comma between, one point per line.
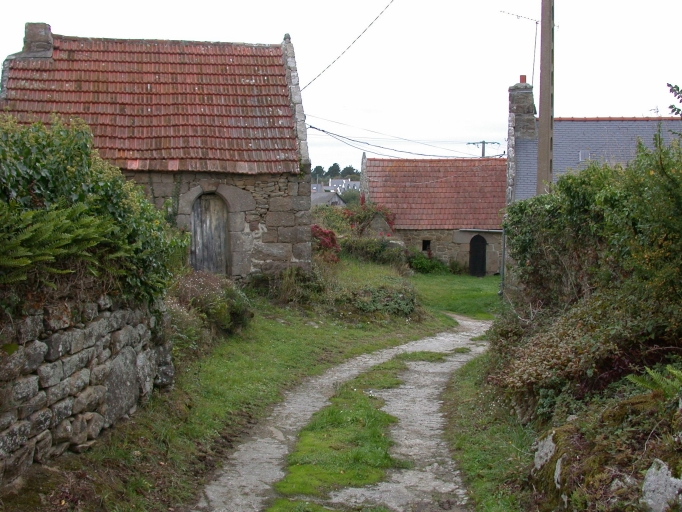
x=477, y=252
x=209, y=234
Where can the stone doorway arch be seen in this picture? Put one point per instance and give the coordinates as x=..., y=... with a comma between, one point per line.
x=238, y=238
x=477, y=256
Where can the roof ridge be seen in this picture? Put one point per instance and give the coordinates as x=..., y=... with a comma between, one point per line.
x=173, y=41
x=608, y=118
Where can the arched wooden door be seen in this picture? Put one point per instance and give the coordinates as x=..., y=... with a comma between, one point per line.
x=208, y=224
x=477, y=251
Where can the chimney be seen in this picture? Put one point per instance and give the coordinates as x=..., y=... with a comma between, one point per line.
x=522, y=107
x=522, y=126
x=38, y=40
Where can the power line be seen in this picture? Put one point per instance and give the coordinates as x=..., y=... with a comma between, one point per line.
x=349, y=46
x=535, y=44
x=339, y=137
x=388, y=135
x=359, y=148
x=482, y=143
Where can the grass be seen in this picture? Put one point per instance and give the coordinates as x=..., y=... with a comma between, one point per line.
x=282, y=505
x=490, y=446
x=475, y=297
x=162, y=455
x=346, y=444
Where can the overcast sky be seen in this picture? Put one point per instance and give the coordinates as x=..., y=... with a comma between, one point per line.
x=433, y=71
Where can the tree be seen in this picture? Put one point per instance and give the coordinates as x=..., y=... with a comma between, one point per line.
x=351, y=196
x=318, y=172
x=333, y=171
x=348, y=171
x=677, y=92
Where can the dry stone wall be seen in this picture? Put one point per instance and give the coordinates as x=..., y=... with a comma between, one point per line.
x=75, y=371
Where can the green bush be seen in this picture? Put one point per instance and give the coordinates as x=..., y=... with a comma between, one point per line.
x=221, y=303
x=50, y=177
x=425, y=264
x=377, y=250
x=351, y=196
x=597, y=286
x=290, y=286
x=331, y=217
x=400, y=301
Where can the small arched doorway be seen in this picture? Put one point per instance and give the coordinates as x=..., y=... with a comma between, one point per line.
x=208, y=225
x=477, y=252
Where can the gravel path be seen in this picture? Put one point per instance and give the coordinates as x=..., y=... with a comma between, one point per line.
x=433, y=484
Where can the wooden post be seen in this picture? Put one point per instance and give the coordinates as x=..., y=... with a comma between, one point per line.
x=546, y=128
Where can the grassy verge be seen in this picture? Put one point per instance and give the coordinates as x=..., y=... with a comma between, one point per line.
x=474, y=297
x=346, y=444
x=159, y=458
x=490, y=446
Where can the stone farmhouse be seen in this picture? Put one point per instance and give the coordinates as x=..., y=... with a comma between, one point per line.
x=576, y=142
x=213, y=131
x=450, y=208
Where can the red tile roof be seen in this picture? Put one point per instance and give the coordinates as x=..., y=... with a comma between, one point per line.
x=440, y=194
x=165, y=105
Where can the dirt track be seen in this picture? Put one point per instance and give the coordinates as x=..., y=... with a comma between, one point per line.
x=432, y=484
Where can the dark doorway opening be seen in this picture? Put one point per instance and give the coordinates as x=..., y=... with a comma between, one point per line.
x=477, y=252
x=208, y=224
x=426, y=245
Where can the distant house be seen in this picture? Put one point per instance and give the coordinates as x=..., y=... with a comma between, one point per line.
x=216, y=129
x=326, y=198
x=576, y=142
x=342, y=185
x=449, y=208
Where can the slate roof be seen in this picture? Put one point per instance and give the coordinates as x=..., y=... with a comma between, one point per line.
x=165, y=105
x=440, y=194
x=578, y=141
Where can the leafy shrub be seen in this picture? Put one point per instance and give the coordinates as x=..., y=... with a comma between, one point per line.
x=290, y=286
x=425, y=263
x=221, y=303
x=324, y=243
x=360, y=216
x=597, y=289
x=384, y=299
x=331, y=217
x=351, y=196
x=375, y=249
x=50, y=176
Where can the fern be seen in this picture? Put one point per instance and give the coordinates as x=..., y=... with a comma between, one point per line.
x=656, y=381
x=40, y=240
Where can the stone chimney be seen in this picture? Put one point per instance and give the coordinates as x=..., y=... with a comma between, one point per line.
x=522, y=125
x=38, y=40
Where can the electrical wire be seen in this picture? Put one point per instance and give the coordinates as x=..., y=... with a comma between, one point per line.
x=338, y=136
x=349, y=46
x=392, y=136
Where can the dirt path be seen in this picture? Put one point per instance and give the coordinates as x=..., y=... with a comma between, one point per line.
x=245, y=482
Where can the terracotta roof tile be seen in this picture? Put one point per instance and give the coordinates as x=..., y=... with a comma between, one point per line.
x=166, y=105
x=440, y=194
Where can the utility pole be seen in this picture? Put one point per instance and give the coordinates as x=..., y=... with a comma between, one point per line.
x=546, y=128
x=482, y=143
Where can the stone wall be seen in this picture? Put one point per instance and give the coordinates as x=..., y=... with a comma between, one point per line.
x=269, y=215
x=75, y=371
x=448, y=244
